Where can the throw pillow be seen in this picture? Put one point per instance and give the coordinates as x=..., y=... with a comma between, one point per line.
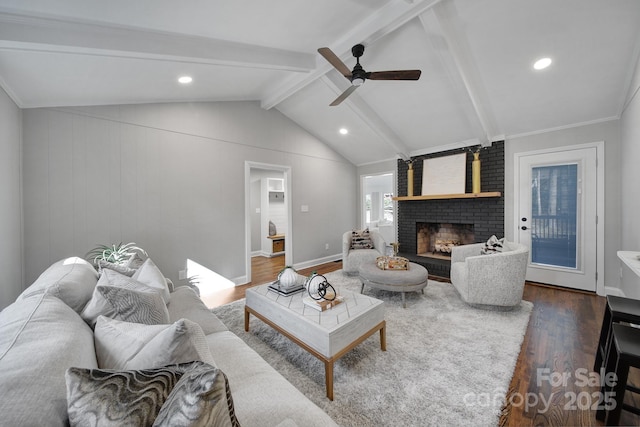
x=112, y=398
x=120, y=268
x=125, y=345
x=201, y=398
x=492, y=246
x=125, y=298
x=361, y=239
x=187, y=394
x=150, y=274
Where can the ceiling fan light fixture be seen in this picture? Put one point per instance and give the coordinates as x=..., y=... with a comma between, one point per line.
x=542, y=63
x=358, y=81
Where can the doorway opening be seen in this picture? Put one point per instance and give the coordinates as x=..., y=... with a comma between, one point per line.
x=378, y=208
x=268, y=225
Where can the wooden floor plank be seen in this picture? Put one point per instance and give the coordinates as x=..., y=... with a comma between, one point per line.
x=561, y=338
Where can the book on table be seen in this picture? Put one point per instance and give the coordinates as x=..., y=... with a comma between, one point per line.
x=321, y=304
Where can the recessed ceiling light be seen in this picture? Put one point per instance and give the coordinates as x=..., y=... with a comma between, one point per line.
x=542, y=63
x=185, y=80
x=343, y=131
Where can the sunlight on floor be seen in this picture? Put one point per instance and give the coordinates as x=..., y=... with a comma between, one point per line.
x=208, y=281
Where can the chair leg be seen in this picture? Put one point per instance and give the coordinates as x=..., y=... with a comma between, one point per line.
x=362, y=289
x=404, y=303
x=604, y=342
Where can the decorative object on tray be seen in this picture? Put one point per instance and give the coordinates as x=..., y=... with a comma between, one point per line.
x=322, y=295
x=395, y=246
x=392, y=263
x=289, y=282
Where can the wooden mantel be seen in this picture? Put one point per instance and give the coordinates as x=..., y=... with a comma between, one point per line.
x=449, y=196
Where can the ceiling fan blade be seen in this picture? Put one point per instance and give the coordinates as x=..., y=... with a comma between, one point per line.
x=343, y=96
x=333, y=59
x=395, y=75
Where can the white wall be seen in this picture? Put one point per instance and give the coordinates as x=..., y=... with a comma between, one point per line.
x=630, y=179
x=10, y=201
x=609, y=132
x=170, y=177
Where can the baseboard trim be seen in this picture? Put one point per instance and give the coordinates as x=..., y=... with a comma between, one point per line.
x=317, y=261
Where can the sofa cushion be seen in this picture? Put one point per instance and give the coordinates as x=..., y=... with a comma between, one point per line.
x=72, y=280
x=184, y=303
x=261, y=395
x=125, y=345
x=40, y=337
x=150, y=274
x=124, y=298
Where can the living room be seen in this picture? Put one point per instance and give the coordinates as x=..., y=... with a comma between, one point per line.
x=171, y=176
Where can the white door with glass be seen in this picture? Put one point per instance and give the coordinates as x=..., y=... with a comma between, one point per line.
x=557, y=216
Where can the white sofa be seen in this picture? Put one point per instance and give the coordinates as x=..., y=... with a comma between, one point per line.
x=352, y=259
x=42, y=335
x=490, y=281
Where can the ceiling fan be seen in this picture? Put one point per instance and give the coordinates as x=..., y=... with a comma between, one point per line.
x=359, y=75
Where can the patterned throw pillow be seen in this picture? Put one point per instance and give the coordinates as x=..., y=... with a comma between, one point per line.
x=361, y=239
x=120, y=268
x=187, y=394
x=124, y=298
x=492, y=246
x=201, y=398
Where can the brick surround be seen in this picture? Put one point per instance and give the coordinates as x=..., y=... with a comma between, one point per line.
x=486, y=214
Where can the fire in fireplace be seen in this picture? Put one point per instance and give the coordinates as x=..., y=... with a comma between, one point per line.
x=436, y=240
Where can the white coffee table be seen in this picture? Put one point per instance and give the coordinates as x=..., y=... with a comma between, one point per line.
x=327, y=335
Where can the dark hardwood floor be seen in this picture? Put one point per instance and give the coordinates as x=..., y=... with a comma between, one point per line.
x=560, y=341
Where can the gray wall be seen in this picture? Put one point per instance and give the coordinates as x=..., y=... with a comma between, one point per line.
x=10, y=201
x=630, y=179
x=170, y=177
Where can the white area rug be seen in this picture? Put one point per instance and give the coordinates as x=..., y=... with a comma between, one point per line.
x=446, y=364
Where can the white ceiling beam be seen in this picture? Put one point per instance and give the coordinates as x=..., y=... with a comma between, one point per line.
x=458, y=46
x=46, y=34
x=338, y=84
x=376, y=26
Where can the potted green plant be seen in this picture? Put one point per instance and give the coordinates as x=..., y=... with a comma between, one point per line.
x=119, y=253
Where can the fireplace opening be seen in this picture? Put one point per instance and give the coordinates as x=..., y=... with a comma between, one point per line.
x=435, y=240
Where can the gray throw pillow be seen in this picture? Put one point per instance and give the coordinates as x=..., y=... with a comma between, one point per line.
x=124, y=345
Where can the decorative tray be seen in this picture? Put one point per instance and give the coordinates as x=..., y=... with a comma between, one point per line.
x=392, y=263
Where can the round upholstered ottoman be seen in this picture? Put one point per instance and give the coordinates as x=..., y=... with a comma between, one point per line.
x=412, y=280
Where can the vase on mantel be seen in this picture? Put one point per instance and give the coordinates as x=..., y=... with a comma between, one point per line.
x=410, y=179
x=475, y=173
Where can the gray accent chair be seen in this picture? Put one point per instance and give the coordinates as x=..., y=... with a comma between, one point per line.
x=493, y=281
x=352, y=259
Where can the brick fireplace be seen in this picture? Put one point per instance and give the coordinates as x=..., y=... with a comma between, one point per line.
x=475, y=219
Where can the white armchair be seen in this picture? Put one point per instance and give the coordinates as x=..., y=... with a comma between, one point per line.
x=490, y=281
x=352, y=259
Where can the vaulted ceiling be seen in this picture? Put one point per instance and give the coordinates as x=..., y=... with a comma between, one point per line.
x=476, y=56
